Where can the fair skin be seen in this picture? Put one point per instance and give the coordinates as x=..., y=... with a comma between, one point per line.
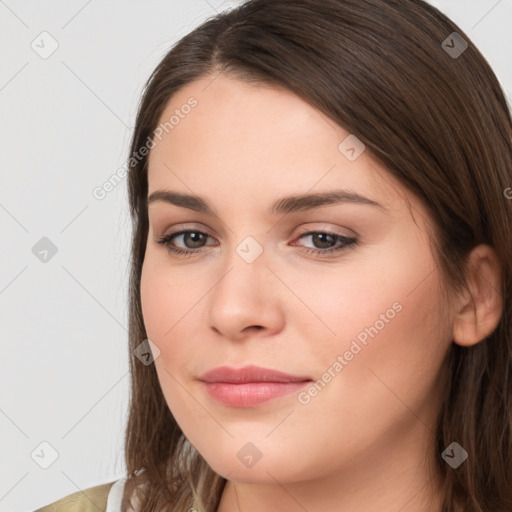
x=364, y=442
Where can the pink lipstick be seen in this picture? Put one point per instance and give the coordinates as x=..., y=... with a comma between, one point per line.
x=251, y=385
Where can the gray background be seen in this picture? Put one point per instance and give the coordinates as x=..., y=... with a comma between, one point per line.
x=65, y=127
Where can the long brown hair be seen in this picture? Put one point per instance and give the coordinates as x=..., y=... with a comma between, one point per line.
x=438, y=121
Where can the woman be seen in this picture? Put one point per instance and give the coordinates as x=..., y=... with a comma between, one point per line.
x=320, y=289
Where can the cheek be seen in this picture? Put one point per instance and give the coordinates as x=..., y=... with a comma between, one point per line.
x=396, y=354
x=390, y=331
x=164, y=296
x=164, y=313
x=170, y=313
x=161, y=307
x=153, y=300
x=344, y=305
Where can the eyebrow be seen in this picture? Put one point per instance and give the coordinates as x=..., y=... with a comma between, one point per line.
x=284, y=205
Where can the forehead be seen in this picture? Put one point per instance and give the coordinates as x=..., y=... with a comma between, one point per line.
x=260, y=143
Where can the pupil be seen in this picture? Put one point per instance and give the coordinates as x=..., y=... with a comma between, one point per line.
x=319, y=236
x=194, y=235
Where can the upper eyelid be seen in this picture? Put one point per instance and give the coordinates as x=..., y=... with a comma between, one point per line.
x=198, y=226
x=302, y=230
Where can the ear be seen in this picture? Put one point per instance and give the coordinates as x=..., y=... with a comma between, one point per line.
x=479, y=311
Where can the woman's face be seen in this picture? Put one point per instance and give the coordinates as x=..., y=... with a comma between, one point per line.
x=365, y=324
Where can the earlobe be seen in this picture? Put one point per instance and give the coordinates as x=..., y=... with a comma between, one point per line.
x=481, y=309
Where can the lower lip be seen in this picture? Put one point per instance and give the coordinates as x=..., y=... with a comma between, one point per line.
x=251, y=393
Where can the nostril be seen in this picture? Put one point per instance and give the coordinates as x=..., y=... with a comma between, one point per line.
x=258, y=327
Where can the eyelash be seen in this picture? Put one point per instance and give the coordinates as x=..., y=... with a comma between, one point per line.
x=347, y=243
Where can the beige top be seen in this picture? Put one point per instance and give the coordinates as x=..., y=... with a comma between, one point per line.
x=105, y=498
x=92, y=499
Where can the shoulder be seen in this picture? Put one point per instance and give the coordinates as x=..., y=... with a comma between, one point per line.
x=93, y=499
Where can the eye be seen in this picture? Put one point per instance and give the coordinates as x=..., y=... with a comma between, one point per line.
x=194, y=241
x=194, y=237
x=326, y=238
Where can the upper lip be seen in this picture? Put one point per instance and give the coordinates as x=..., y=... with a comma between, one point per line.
x=249, y=373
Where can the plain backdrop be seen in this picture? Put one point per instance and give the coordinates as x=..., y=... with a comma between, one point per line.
x=70, y=79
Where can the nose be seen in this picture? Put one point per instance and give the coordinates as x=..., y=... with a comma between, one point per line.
x=245, y=301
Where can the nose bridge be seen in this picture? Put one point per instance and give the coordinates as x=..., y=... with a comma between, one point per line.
x=243, y=296
x=245, y=265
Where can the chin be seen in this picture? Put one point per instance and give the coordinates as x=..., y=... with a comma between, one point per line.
x=266, y=470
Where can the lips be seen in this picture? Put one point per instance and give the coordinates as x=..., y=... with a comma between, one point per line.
x=249, y=374
x=250, y=386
